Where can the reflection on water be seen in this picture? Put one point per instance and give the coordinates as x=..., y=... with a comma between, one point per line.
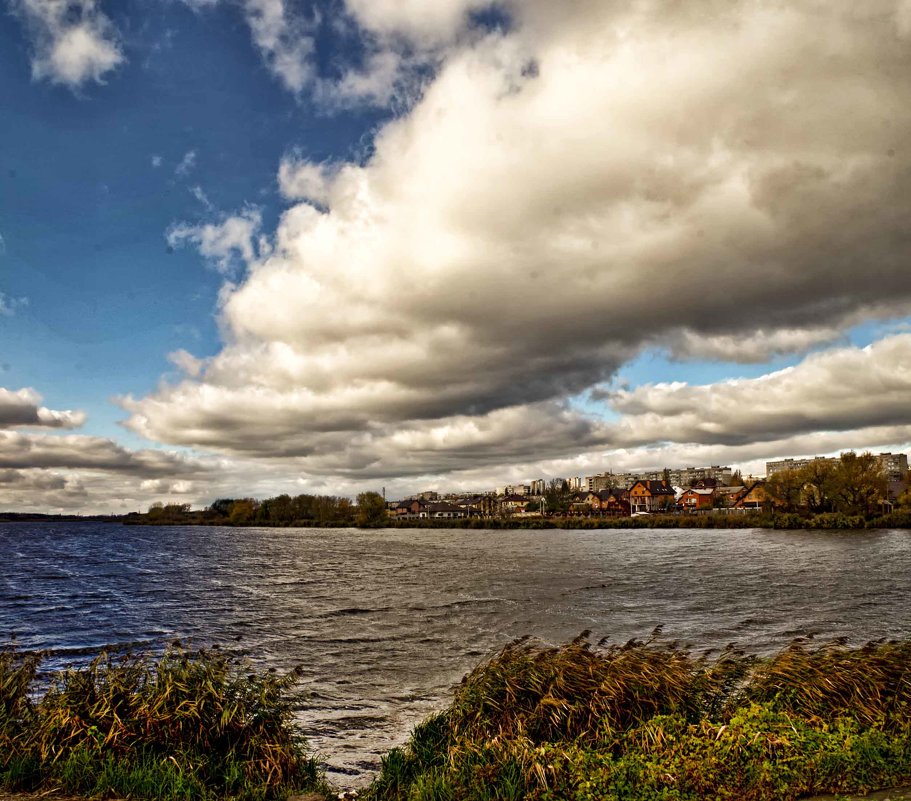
x=384, y=622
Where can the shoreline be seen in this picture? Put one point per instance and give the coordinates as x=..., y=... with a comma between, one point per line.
x=786, y=522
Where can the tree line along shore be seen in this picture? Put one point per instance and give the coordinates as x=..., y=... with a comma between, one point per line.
x=849, y=492
x=641, y=721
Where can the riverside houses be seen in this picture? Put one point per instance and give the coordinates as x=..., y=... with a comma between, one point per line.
x=695, y=499
x=608, y=502
x=755, y=497
x=650, y=496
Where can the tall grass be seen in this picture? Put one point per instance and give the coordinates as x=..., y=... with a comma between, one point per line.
x=648, y=720
x=192, y=725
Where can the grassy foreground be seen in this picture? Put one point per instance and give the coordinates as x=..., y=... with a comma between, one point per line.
x=186, y=725
x=641, y=721
x=646, y=721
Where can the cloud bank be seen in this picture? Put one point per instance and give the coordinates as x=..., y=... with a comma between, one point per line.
x=594, y=181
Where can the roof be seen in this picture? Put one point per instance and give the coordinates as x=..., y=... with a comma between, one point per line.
x=442, y=506
x=655, y=487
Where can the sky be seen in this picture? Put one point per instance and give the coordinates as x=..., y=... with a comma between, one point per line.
x=259, y=246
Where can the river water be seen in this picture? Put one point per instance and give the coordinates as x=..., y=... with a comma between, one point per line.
x=385, y=622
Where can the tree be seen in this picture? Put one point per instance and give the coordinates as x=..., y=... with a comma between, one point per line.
x=242, y=512
x=557, y=496
x=222, y=506
x=859, y=483
x=736, y=479
x=818, y=485
x=371, y=510
x=785, y=487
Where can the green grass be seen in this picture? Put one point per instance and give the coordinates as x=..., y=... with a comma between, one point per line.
x=649, y=722
x=186, y=725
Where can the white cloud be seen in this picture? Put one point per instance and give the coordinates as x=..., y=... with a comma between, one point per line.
x=750, y=347
x=222, y=243
x=202, y=197
x=599, y=179
x=299, y=179
x=419, y=21
x=187, y=164
x=22, y=408
x=73, y=40
x=844, y=389
x=186, y=362
x=284, y=40
x=157, y=161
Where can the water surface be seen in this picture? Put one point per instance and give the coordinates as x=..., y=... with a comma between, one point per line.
x=385, y=622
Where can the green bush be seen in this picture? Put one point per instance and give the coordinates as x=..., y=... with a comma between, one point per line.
x=646, y=722
x=186, y=725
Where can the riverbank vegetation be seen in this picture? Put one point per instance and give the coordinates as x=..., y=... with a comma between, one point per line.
x=644, y=721
x=187, y=725
x=650, y=722
x=375, y=517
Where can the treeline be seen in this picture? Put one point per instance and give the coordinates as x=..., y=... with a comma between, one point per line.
x=900, y=518
x=298, y=511
x=853, y=485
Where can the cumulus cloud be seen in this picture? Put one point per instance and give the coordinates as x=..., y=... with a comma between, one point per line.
x=845, y=389
x=599, y=179
x=300, y=179
x=22, y=407
x=73, y=41
x=75, y=472
x=223, y=243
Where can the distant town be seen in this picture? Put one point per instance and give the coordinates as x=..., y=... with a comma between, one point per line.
x=848, y=491
x=689, y=489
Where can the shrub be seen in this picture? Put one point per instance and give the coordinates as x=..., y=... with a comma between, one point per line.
x=188, y=724
x=648, y=722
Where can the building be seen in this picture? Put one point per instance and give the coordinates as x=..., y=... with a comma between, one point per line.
x=443, y=510
x=696, y=499
x=608, y=502
x=894, y=465
x=779, y=466
x=755, y=498
x=650, y=496
x=679, y=476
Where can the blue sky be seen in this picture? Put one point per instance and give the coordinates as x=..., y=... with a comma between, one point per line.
x=84, y=209
x=322, y=246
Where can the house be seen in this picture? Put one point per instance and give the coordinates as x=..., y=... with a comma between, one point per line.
x=650, y=496
x=755, y=497
x=514, y=503
x=697, y=498
x=726, y=497
x=608, y=502
x=443, y=510
x=413, y=509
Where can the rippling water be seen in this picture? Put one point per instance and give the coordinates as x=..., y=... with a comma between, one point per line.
x=384, y=622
